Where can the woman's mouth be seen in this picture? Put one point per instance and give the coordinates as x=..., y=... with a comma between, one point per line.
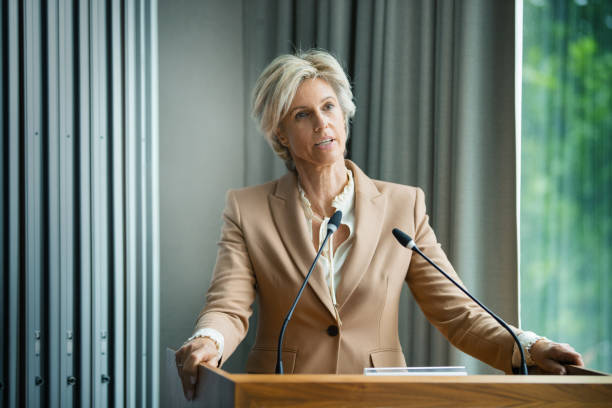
x=324, y=142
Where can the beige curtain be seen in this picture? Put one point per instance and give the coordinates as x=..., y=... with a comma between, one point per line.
x=434, y=87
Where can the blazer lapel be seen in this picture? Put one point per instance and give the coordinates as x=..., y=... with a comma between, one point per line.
x=291, y=224
x=369, y=212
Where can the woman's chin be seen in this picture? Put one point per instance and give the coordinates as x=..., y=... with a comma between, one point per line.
x=318, y=160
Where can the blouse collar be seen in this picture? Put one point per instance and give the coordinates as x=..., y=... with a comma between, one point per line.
x=342, y=202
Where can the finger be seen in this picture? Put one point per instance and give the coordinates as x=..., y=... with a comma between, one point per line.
x=214, y=362
x=202, y=354
x=182, y=357
x=188, y=388
x=568, y=347
x=580, y=361
x=566, y=354
x=552, y=367
x=179, y=358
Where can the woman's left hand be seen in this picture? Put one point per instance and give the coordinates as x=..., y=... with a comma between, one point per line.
x=552, y=357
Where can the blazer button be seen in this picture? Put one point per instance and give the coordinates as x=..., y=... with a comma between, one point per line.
x=332, y=330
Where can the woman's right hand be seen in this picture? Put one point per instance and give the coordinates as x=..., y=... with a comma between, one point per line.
x=201, y=350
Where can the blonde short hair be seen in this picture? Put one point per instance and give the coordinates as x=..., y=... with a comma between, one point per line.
x=276, y=87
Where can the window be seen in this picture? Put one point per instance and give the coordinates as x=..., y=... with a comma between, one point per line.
x=566, y=175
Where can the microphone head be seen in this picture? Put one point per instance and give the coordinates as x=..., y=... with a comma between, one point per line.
x=403, y=238
x=334, y=222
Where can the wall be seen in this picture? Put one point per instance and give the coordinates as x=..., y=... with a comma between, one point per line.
x=201, y=110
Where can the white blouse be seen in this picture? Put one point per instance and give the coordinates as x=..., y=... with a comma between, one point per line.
x=332, y=259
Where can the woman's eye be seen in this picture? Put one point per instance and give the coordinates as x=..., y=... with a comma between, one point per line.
x=329, y=106
x=301, y=115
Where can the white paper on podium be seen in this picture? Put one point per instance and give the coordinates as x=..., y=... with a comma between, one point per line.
x=446, y=371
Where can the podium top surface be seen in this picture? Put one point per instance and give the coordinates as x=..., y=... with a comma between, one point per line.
x=358, y=378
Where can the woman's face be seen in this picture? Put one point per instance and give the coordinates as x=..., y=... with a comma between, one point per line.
x=314, y=129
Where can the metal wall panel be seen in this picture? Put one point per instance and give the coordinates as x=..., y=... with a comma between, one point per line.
x=14, y=371
x=141, y=196
x=83, y=230
x=35, y=335
x=52, y=105
x=131, y=213
x=99, y=203
x=153, y=312
x=68, y=379
x=3, y=215
x=118, y=269
x=79, y=246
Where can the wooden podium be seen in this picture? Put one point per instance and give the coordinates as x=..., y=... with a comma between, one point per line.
x=217, y=388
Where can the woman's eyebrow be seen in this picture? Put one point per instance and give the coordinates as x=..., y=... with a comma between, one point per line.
x=306, y=107
x=297, y=107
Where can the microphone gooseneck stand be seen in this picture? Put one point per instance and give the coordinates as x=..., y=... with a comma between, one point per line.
x=332, y=226
x=406, y=241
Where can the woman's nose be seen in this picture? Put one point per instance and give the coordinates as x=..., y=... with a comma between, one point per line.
x=320, y=121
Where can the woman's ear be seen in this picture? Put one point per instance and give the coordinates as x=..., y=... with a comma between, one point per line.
x=282, y=139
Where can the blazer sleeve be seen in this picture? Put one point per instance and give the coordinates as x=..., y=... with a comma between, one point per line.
x=455, y=315
x=232, y=289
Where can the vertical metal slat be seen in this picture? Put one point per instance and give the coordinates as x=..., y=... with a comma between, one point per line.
x=53, y=177
x=66, y=197
x=142, y=138
x=13, y=376
x=33, y=200
x=118, y=214
x=153, y=200
x=130, y=206
x=99, y=143
x=95, y=206
x=4, y=273
x=85, y=267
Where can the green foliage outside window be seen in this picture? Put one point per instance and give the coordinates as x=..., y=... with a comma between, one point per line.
x=566, y=175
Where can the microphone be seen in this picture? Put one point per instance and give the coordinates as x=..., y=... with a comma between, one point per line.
x=332, y=226
x=405, y=240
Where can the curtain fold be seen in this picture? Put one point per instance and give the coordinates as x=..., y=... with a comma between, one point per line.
x=434, y=88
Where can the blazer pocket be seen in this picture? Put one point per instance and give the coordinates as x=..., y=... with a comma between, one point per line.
x=262, y=360
x=387, y=358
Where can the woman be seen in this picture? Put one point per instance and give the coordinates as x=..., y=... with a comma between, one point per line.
x=347, y=317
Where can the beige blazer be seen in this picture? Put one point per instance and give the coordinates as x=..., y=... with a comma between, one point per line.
x=265, y=252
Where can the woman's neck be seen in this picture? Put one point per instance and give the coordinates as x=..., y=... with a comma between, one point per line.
x=322, y=184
